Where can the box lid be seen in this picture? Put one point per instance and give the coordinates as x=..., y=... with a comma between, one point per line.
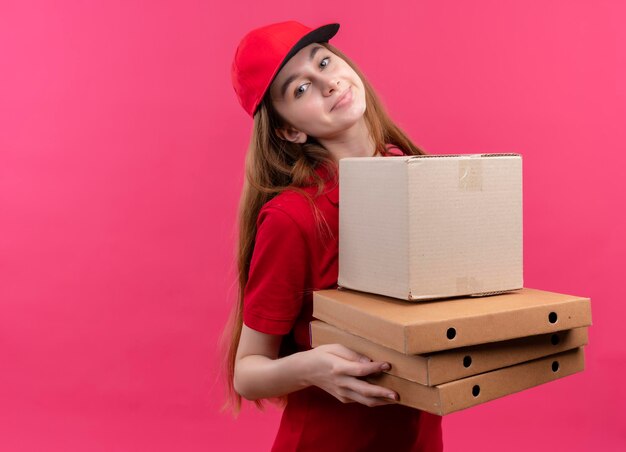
x=444, y=324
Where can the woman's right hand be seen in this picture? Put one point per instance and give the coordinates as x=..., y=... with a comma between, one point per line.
x=337, y=370
x=260, y=373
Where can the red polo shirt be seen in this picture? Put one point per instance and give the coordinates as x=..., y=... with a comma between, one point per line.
x=291, y=259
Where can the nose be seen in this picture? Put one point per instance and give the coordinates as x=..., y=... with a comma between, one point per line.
x=331, y=84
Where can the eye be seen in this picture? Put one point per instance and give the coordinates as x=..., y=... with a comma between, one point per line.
x=325, y=62
x=300, y=90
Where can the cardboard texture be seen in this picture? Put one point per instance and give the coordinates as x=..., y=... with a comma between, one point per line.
x=416, y=328
x=426, y=227
x=442, y=367
x=460, y=394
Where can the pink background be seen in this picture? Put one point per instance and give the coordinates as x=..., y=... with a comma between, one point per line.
x=121, y=161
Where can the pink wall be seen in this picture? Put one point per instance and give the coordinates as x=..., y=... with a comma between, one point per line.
x=121, y=153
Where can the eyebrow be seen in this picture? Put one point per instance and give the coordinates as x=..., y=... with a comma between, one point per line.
x=292, y=77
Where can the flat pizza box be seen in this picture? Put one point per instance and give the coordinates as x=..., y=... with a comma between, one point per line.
x=431, y=226
x=442, y=367
x=467, y=392
x=416, y=328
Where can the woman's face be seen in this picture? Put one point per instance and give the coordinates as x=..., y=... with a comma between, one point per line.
x=318, y=94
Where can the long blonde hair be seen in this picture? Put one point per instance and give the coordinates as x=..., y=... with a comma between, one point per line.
x=274, y=165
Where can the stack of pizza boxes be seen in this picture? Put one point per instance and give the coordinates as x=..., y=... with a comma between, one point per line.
x=430, y=280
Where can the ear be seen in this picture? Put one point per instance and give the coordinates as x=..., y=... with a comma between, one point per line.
x=288, y=133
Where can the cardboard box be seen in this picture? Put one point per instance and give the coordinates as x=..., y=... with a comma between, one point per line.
x=460, y=394
x=427, y=227
x=436, y=368
x=414, y=328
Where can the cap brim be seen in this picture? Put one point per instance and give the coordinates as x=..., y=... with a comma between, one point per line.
x=321, y=34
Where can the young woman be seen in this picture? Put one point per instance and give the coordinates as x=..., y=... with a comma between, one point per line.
x=311, y=107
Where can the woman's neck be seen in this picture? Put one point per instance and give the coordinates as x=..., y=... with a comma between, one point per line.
x=353, y=142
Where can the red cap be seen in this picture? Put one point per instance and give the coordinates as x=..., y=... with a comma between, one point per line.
x=264, y=51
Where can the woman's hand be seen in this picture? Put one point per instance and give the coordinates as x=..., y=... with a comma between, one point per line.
x=337, y=370
x=259, y=373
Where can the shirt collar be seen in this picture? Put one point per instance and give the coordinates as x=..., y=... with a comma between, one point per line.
x=331, y=185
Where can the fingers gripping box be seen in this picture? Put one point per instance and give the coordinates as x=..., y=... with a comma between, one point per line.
x=436, y=368
x=426, y=227
x=467, y=392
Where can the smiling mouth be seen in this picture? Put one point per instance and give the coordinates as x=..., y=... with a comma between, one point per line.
x=342, y=98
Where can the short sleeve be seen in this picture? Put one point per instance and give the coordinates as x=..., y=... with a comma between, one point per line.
x=276, y=284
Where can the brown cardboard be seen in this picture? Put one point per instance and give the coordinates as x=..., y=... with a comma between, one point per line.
x=427, y=227
x=414, y=328
x=467, y=392
x=437, y=368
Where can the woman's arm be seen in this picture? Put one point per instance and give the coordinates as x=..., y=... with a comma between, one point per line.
x=259, y=373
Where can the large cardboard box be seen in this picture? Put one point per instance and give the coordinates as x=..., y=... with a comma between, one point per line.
x=437, y=368
x=460, y=394
x=414, y=328
x=426, y=227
